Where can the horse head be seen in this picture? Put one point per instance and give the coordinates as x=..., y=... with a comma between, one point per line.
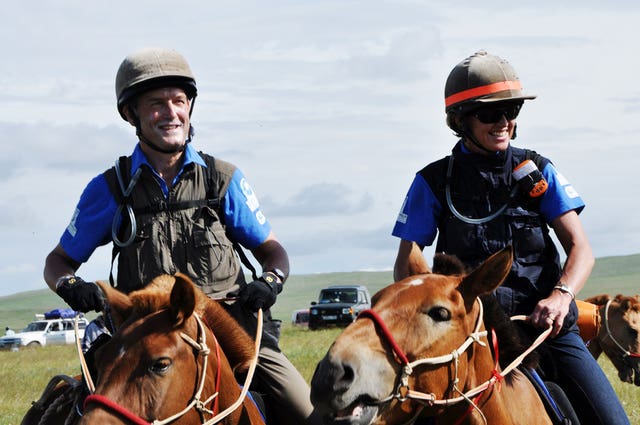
x=362, y=379
x=619, y=334
x=164, y=361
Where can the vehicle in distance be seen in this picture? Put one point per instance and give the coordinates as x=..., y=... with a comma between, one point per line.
x=338, y=305
x=47, y=329
x=300, y=317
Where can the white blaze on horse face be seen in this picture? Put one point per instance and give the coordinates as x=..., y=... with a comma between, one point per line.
x=415, y=282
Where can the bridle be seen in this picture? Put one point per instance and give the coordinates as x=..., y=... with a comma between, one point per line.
x=201, y=350
x=403, y=392
x=625, y=353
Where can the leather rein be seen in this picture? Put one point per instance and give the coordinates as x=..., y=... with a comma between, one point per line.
x=403, y=391
x=202, y=350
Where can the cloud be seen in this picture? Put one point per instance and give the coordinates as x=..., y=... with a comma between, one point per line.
x=328, y=107
x=321, y=199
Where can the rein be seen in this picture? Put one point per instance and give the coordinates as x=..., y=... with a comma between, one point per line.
x=200, y=405
x=403, y=391
x=625, y=353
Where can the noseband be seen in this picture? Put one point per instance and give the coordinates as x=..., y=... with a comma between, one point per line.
x=202, y=350
x=403, y=391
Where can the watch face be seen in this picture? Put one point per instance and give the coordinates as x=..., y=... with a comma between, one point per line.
x=279, y=273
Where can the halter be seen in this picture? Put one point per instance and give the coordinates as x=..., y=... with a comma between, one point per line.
x=625, y=353
x=403, y=392
x=200, y=405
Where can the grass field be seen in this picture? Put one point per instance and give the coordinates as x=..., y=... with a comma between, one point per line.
x=24, y=374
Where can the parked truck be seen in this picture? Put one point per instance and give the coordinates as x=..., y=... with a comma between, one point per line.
x=338, y=305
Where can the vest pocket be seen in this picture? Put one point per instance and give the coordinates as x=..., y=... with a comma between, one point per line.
x=528, y=239
x=139, y=262
x=212, y=260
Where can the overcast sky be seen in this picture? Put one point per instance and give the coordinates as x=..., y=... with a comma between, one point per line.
x=329, y=107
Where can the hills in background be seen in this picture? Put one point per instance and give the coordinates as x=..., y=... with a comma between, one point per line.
x=611, y=275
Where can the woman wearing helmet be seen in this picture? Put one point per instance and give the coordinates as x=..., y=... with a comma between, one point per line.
x=210, y=207
x=489, y=194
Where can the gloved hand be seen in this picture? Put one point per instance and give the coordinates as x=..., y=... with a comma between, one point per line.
x=261, y=293
x=80, y=295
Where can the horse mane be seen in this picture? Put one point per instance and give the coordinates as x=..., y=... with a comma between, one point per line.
x=237, y=345
x=511, y=341
x=628, y=303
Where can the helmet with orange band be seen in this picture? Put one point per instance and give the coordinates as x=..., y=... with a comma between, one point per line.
x=479, y=80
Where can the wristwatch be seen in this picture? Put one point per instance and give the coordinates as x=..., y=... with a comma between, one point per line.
x=279, y=273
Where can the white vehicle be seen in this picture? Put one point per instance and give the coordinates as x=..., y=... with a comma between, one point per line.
x=44, y=332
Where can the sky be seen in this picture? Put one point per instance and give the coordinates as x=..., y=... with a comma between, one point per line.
x=329, y=108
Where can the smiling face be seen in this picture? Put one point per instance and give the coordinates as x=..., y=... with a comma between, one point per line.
x=164, y=117
x=494, y=137
x=491, y=126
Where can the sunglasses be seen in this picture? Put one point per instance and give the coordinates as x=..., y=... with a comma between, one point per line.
x=493, y=114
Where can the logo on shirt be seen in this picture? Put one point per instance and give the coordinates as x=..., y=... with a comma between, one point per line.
x=252, y=199
x=402, y=217
x=71, y=228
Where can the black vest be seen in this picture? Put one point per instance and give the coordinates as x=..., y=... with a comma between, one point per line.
x=480, y=186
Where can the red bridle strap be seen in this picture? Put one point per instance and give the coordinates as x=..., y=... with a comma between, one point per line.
x=379, y=323
x=115, y=407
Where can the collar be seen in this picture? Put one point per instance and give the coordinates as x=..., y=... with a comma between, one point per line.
x=138, y=158
x=463, y=155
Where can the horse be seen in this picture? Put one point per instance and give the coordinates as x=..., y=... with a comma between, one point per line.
x=615, y=330
x=172, y=359
x=422, y=351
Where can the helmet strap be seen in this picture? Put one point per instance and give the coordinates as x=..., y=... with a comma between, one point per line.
x=467, y=134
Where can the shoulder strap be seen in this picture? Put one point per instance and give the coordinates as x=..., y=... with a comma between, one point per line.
x=118, y=179
x=538, y=159
x=211, y=184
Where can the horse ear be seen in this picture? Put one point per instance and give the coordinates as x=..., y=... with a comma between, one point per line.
x=183, y=299
x=119, y=303
x=417, y=263
x=487, y=276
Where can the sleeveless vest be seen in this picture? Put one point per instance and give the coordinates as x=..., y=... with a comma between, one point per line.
x=182, y=233
x=480, y=186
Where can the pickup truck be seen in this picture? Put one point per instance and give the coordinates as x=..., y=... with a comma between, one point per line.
x=43, y=332
x=338, y=305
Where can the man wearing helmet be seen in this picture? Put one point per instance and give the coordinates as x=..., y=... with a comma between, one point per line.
x=488, y=194
x=165, y=184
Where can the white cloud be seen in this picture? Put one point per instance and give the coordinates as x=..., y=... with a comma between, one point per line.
x=329, y=108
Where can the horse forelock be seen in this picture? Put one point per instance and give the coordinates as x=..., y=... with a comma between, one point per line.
x=448, y=265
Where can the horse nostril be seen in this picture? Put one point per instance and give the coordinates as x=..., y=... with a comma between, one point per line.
x=348, y=374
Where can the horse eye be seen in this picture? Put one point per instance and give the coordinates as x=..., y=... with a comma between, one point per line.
x=439, y=314
x=160, y=366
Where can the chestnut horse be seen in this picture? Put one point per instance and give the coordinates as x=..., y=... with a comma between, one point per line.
x=172, y=360
x=617, y=333
x=422, y=351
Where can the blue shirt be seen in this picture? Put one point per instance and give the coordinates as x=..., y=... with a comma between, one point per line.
x=90, y=226
x=420, y=213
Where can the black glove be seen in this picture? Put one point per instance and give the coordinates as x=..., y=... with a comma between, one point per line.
x=80, y=295
x=261, y=293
